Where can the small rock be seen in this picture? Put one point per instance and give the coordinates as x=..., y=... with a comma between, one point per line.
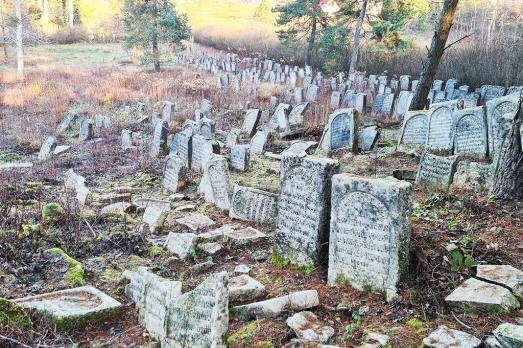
x=186, y=207
x=195, y=222
x=375, y=340
x=503, y=274
x=60, y=149
x=180, y=244
x=245, y=235
x=112, y=208
x=111, y=198
x=444, y=337
x=201, y=267
x=245, y=288
x=242, y=269
x=211, y=248
x=509, y=335
x=307, y=326
x=177, y=197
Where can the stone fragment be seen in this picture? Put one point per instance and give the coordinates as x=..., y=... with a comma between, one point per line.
x=250, y=204
x=47, y=148
x=73, y=308
x=368, y=137
x=444, y=337
x=476, y=176
x=300, y=147
x=159, y=142
x=375, y=340
x=69, y=119
x=474, y=295
x=502, y=274
x=115, y=207
x=15, y=165
x=180, y=244
x=86, y=130
x=509, y=335
x=215, y=185
x=195, y=222
x=307, y=326
x=60, y=149
x=250, y=122
x=244, y=236
x=153, y=218
x=245, y=288
x=211, y=248
x=240, y=157
x=242, y=269
x=143, y=203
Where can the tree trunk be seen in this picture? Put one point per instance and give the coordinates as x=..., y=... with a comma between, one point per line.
x=156, y=51
x=19, y=41
x=508, y=170
x=437, y=48
x=70, y=9
x=312, y=39
x=45, y=10
x=355, y=46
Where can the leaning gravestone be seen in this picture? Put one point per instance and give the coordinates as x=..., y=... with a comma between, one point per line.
x=341, y=132
x=488, y=92
x=470, y=132
x=303, y=208
x=500, y=115
x=414, y=129
x=369, y=232
x=76, y=183
x=174, y=173
x=168, y=111
x=175, y=144
x=239, y=158
x=439, y=133
x=201, y=152
x=185, y=148
x=388, y=102
x=69, y=119
x=296, y=115
x=199, y=318
x=258, y=142
x=300, y=146
x=403, y=104
x=215, y=184
x=280, y=118
x=378, y=105
x=335, y=100
x=249, y=204
x=86, y=130
x=368, y=137
x=251, y=121
x=206, y=128
x=436, y=171
x=159, y=143
x=47, y=148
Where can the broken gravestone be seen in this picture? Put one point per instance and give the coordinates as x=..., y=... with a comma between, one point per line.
x=180, y=244
x=215, y=185
x=245, y=288
x=174, y=173
x=251, y=122
x=250, y=204
x=341, y=132
x=307, y=326
x=47, y=148
x=436, y=171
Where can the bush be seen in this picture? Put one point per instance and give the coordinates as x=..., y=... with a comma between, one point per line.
x=69, y=35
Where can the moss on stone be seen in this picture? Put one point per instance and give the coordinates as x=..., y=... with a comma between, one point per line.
x=244, y=335
x=12, y=314
x=156, y=250
x=282, y=262
x=51, y=212
x=75, y=273
x=415, y=323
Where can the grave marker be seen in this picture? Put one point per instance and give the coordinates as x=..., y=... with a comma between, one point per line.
x=251, y=121
x=215, y=184
x=159, y=143
x=341, y=131
x=436, y=171
x=174, y=173
x=470, y=132
x=239, y=159
x=249, y=204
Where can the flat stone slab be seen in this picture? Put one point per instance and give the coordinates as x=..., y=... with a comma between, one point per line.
x=73, y=308
x=245, y=288
x=216, y=234
x=473, y=295
x=509, y=335
x=211, y=248
x=297, y=301
x=242, y=269
x=16, y=165
x=307, y=326
x=180, y=244
x=115, y=207
x=195, y=222
x=60, y=149
x=503, y=274
x=143, y=203
x=245, y=235
x=444, y=337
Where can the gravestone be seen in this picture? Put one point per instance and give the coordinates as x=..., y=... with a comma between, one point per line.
x=258, y=142
x=437, y=85
x=232, y=137
x=251, y=121
x=174, y=173
x=335, y=100
x=404, y=82
x=488, y=92
x=500, y=115
x=202, y=149
x=68, y=121
x=215, y=185
x=470, y=132
x=127, y=138
x=206, y=128
x=199, y=318
x=312, y=93
x=402, y=104
x=47, y=148
x=349, y=99
x=378, y=105
x=367, y=137
x=369, y=232
x=101, y=121
x=296, y=115
x=206, y=108
x=185, y=148
x=86, y=130
x=414, y=128
x=249, y=204
x=300, y=146
x=440, y=130
x=360, y=102
x=304, y=208
x=388, y=102
x=168, y=111
x=436, y=171
x=298, y=95
x=470, y=100
x=76, y=183
x=341, y=132
x=239, y=158
x=175, y=144
x=159, y=142
x=280, y=118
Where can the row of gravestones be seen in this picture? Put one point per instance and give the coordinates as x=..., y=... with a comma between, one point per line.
x=446, y=132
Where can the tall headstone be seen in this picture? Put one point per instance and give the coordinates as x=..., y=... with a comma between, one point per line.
x=202, y=149
x=185, y=148
x=168, y=111
x=341, y=132
x=470, y=132
x=249, y=204
x=280, y=118
x=436, y=171
x=159, y=142
x=500, y=115
x=239, y=158
x=414, y=128
x=215, y=185
x=126, y=138
x=488, y=92
x=47, y=148
x=335, y=100
x=258, y=142
x=174, y=173
x=206, y=128
x=402, y=104
x=304, y=208
x=312, y=93
x=440, y=131
x=250, y=122
x=369, y=232
x=296, y=115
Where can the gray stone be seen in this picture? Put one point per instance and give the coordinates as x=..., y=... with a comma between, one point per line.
x=280, y=118
x=240, y=157
x=436, y=171
x=86, y=130
x=367, y=137
x=242, y=269
x=303, y=208
x=474, y=295
x=375, y=340
x=153, y=218
x=185, y=148
x=73, y=308
x=115, y=208
x=47, y=148
x=272, y=308
x=296, y=114
x=168, y=111
x=489, y=92
x=439, y=132
x=402, y=104
x=369, y=232
x=444, y=337
x=244, y=236
x=509, y=335
x=159, y=141
x=195, y=222
x=250, y=204
x=474, y=176
x=502, y=274
x=211, y=248
x=206, y=128
x=202, y=149
x=312, y=93
x=215, y=185
x=300, y=147
x=126, y=139
x=470, y=132
x=232, y=137
x=143, y=203
x=76, y=183
x=307, y=326
x=335, y=100
x=102, y=121
x=216, y=234
x=258, y=142
x=68, y=121
x=250, y=123
x=174, y=173
x=341, y=132
x=180, y=244
x=60, y=149
x=245, y=288
x=16, y=165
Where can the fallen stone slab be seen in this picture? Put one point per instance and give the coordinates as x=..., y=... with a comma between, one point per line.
x=296, y=301
x=195, y=222
x=180, y=244
x=307, y=326
x=509, y=335
x=211, y=248
x=375, y=340
x=476, y=295
x=245, y=288
x=502, y=274
x=153, y=219
x=110, y=198
x=73, y=308
x=114, y=208
x=242, y=269
x=216, y=234
x=444, y=337
x=244, y=236
x=16, y=165
x=143, y=203
x=187, y=207
x=60, y=149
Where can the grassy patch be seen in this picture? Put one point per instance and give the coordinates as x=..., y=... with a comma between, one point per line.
x=12, y=314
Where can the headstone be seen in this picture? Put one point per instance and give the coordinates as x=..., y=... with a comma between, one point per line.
x=280, y=118
x=298, y=95
x=245, y=288
x=202, y=149
x=403, y=104
x=475, y=176
x=240, y=157
x=360, y=102
x=470, y=100
x=159, y=142
x=509, y=335
x=341, y=132
x=215, y=184
x=369, y=232
x=47, y=148
x=174, y=173
x=300, y=147
x=378, y=105
x=388, y=102
x=414, y=128
x=335, y=100
x=368, y=137
x=175, y=144
x=303, y=208
x=69, y=119
x=86, y=130
x=404, y=82
x=195, y=222
x=232, y=137
x=244, y=236
x=440, y=130
x=437, y=85
x=101, y=121
x=249, y=204
x=127, y=138
x=180, y=244
x=312, y=93
x=436, y=171
x=206, y=128
x=500, y=115
x=308, y=327
x=185, y=148
x=296, y=115
x=258, y=142
x=470, y=132
x=76, y=183
x=168, y=111
x=251, y=122
x=489, y=92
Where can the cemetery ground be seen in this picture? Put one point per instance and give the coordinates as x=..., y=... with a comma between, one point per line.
x=40, y=220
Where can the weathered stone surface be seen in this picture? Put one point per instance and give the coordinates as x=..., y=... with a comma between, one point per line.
x=475, y=295
x=216, y=234
x=251, y=121
x=16, y=165
x=369, y=232
x=47, y=148
x=489, y=92
x=143, y=203
x=474, y=176
x=296, y=115
x=232, y=137
x=159, y=141
x=272, y=308
x=250, y=204
x=470, y=132
x=402, y=104
x=168, y=111
x=300, y=147
x=211, y=248
x=244, y=236
x=307, y=326
x=341, y=131
x=73, y=308
x=180, y=244
x=367, y=137
x=280, y=118
x=245, y=288
x=258, y=142
x=444, y=337
x=185, y=148
x=202, y=149
x=215, y=185
x=240, y=157
x=69, y=119
x=126, y=138
x=440, y=130
x=206, y=128
x=174, y=173
x=60, y=149
x=509, y=335
x=199, y=318
x=114, y=208
x=242, y=269
x=303, y=208
x=76, y=183
x=153, y=218
x=102, y=121
x=375, y=340
x=502, y=274
x=195, y=222
x=414, y=129
x=86, y=130
x=436, y=171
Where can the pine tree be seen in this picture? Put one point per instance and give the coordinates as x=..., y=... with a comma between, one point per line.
x=150, y=23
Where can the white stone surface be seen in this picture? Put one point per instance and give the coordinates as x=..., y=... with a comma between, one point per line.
x=180, y=244
x=245, y=288
x=307, y=326
x=444, y=337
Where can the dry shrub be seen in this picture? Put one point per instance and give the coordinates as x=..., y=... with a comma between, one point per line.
x=69, y=35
